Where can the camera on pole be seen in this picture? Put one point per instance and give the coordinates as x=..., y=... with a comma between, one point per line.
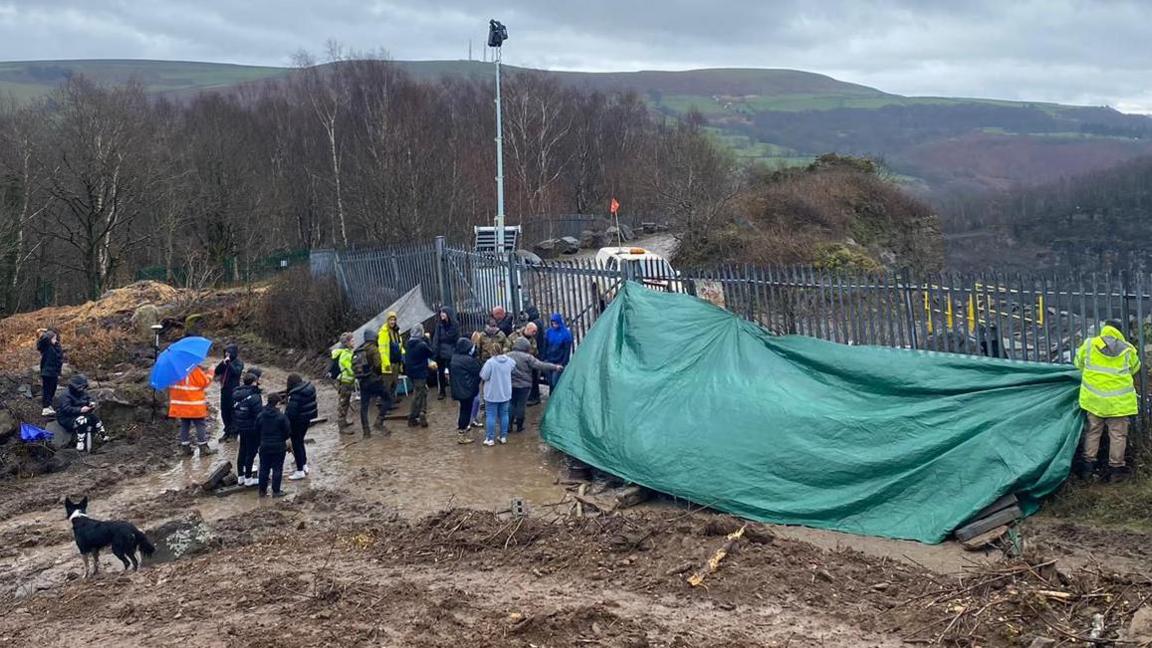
x=497, y=33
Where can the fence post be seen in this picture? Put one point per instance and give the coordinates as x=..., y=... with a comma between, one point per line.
x=907, y=281
x=513, y=285
x=442, y=274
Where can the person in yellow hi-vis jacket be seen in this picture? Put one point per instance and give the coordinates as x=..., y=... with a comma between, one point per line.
x=1108, y=396
x=391, y=357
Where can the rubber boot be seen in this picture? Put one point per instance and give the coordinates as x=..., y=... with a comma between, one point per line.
x=206, y=450
x=186, y=449
x=1086, y=470
x=367, y=432
x=1117, y=474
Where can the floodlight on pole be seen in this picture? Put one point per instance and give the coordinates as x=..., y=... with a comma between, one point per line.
x=497, y=34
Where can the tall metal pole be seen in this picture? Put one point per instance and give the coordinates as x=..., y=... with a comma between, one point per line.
x=499, y=162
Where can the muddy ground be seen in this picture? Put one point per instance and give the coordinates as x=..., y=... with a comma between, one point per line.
x=402, y=541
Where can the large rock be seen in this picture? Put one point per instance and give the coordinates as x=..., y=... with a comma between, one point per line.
x=9, y=426
x=176, y=539
x=1140, y=629
x=569, y=245
x=145, y=316
x=548, y=249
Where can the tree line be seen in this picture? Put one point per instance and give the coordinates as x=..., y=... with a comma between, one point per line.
x=98, y=181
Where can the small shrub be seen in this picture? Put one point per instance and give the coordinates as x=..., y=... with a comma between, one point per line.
x=303, y=312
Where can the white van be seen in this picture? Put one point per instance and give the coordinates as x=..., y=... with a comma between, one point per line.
x=637, y=264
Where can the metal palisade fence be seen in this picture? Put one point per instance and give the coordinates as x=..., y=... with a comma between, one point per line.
x=1037, y=318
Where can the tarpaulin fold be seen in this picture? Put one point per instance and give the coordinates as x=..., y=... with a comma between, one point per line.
x=675, y=394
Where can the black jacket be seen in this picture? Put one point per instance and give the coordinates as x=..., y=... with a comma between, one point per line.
x=248, y=405
x=68, y=405
x=228, y=373
x=446, y=334
x=301, y=406
x=416, y=359
x=465, y=371
x=274, y=429
x=508, y=324
x=51, y=356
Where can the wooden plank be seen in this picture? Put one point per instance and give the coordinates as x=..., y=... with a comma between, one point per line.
x=999, y=505
x=977, y=543
x=973, y=529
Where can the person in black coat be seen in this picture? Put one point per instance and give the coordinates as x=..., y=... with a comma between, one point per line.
x=228, y=372
x=300, y=411
x=51, y=364
x=416, y=357
x=248, y=404
x=274, y=431
x=465, y=370
x=444, y=344
x=76, y=413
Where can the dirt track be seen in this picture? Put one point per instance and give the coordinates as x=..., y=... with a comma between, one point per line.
x=393, y=542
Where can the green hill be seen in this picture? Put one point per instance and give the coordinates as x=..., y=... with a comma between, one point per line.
x=778, y=117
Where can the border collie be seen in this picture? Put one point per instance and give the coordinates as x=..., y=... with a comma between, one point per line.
x=93, y=535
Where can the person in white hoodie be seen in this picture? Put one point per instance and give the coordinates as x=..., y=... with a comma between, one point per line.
x=497, y=376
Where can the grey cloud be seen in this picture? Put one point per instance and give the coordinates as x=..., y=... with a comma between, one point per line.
x=1050, y=50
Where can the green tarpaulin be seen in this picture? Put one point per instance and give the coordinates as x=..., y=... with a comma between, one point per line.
x=685, y=398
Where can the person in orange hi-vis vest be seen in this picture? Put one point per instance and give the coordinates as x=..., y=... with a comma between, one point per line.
x=187, y=402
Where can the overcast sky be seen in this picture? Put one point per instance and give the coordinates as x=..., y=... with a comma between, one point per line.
x=1091, y=52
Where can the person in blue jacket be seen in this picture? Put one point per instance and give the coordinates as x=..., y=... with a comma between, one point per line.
x=557, y=346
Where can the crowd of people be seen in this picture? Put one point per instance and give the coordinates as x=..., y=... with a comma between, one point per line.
x=497, y=371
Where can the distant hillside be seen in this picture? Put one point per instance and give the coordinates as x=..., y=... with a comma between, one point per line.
x=1093, y=221
x=778, y=117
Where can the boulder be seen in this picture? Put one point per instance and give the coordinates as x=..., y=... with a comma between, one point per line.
x=548, y=249
x=1140, y=628
x=175, y=539
x=145, y=316
x=9, y=426
x=588, y=239
x=569, y=245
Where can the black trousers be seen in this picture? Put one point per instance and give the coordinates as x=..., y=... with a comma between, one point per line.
x=519, y=401
x=465, y=418
x=367, y=393
x=48, y=392
x=246, y=455
x=227, y=403
x=442, y=374
x=534, y=395
x=271, y=469
x=299, y=451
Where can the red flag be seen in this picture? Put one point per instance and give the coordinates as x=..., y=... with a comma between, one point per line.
x=614, y=207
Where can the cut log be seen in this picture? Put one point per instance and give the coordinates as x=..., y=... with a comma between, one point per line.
x=984, y=539
x=631, y=496
x=219, y=472
x=999, y=505
x=999, y=518
x=754, y=533
x=230, y=490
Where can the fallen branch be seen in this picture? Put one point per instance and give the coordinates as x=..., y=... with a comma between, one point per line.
x=695, y=580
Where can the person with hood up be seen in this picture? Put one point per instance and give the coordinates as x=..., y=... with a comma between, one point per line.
x=300, y=411
x=188, y=403
x=444, y=344
x=228, y=372
x=51, y=364
x=557, y=346
x=465, y=385
x=75, y=412
x=369, y=373
x=1108, y=397
x=522, y=375
x=497, y=376
x=391, y=349
x=416, y=359
x=248, y=404
x=345, y=377
x=274, y=432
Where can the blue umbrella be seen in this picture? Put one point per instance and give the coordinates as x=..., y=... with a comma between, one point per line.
x=177, y=361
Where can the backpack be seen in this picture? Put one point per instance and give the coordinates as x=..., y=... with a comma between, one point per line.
x=361, y=367
x=334, y=368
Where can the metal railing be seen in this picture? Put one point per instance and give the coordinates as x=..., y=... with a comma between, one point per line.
x=1042, y=318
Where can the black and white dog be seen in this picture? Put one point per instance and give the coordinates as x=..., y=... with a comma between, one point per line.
x=93, y=535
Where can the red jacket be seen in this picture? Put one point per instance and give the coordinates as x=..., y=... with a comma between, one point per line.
x=186, y=399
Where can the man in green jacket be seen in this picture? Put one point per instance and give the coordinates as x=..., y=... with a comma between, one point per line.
x=1108, y=396
x=345, y=379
